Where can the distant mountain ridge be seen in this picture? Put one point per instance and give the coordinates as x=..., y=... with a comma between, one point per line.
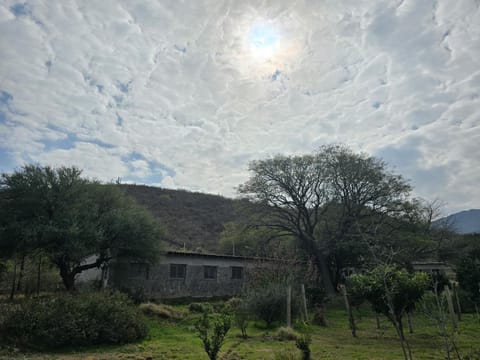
x=463, y=222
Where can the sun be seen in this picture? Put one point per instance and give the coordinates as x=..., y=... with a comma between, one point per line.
x=263, y=40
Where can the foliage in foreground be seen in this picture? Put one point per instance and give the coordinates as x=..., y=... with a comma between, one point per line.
x=392, y=292
x=212, y=331
x=303, y=344
x=68, y=320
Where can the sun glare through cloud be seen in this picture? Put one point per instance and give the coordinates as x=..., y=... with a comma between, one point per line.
x=264, y=40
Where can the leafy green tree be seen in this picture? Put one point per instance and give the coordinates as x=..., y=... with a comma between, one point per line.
x=468, y=275
x=392, y=292
x=71, y=218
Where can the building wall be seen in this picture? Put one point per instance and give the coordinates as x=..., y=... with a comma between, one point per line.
x=157, y=282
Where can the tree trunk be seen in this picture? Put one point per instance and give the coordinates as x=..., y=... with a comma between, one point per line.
x=304, y=302
x=351, y=319
x=325, y=274
x=397, y=323
x=68, y=278
x=39, y=270
x=14, y=280
x=459, y=308
x=451, y=310
x=20, y=274
x=409, y=319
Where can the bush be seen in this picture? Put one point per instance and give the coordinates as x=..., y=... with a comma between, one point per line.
x=137, y=295
x=161, y=310
x=286, y=333
x=212, y=332
x=303, y=344
x=318, y=317
x=200, y=307
x=241, y=316
x=466, y=302
x=85, y=319
x=315, y=296
x=268, y=304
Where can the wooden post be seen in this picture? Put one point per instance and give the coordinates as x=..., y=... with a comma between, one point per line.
x=304, y=299
x=457, y=300
x=289, y=306
x=39, y=270
x=450, y=306
x=377, y=319
x=351, y=319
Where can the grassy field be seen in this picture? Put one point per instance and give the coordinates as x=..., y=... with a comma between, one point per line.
x=177, y=340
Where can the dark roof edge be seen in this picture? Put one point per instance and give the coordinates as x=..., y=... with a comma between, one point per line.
x=218, y=256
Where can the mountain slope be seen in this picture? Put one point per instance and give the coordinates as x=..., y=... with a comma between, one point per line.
x=463, y=222
x=192, y=219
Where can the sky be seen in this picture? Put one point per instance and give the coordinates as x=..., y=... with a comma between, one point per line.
x=184, y=94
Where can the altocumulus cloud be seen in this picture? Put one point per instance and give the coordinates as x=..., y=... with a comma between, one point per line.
x=185, y=94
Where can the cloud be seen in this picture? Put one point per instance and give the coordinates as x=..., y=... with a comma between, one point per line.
x=175, y=94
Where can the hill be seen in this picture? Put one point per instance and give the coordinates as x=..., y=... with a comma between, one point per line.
x=193, y=219
x=463, y=222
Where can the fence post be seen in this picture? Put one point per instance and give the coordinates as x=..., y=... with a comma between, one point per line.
x=289, y=306
x=304, y=299
x=450, y=306
x=351, y=319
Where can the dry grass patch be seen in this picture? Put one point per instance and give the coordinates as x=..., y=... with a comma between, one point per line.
x=161, y=310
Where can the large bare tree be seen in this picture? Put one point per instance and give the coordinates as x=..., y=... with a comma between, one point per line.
x=295, y=190
x=327, y=200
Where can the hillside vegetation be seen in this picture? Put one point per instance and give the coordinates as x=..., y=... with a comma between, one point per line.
x=189, y=218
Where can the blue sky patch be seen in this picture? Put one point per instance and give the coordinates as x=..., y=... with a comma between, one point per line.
x=64, y=144
x=157, y=170
x=7, y=163
x=20, y=9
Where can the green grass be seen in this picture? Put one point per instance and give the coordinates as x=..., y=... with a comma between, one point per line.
x=177, y=340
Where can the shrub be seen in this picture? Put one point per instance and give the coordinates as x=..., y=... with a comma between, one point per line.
x=89, y=318
x=303, y=344
x=137, y=295
x=315, y=296
x=233, y=303
x=318, y=317
x=286, y=333
x=268, y=304
x=200, y=307
x=241, y=316
x=161, y=310
x=212, y=332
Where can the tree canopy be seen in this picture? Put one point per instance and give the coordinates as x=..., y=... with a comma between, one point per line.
x=334, y=202
x=71, y=218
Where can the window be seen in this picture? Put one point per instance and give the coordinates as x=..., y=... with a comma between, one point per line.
x=178, y=271
x=237, y=272
x=138, y=270
x=210, y=272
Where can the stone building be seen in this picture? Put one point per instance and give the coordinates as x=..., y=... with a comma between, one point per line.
x=182, y=274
